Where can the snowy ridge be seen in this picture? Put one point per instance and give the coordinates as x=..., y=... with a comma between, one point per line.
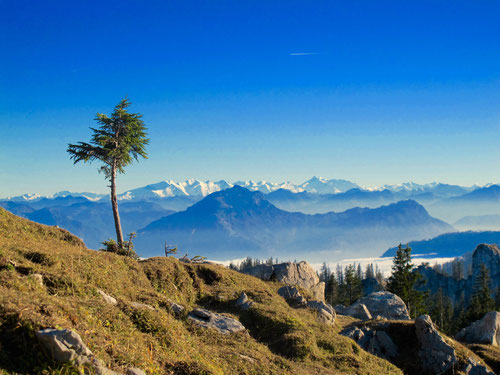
x=197, y=188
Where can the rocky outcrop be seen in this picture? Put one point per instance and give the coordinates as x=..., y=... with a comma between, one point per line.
x=326, y=313
x=484, y=331
x=436, y=354
x=489, y=255
x=386, y=305
x=292, y=295
x=67, y=347
x=300, y=274
x=357, y=310
x=222, y=324
x=243, y=302
x=377, y=342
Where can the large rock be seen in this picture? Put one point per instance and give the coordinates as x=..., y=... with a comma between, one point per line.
x=375, y=341
x=436, y=355
x=386, y=305
x=66, y=346
x=484, y=331
x=326, y=313
x=223, y=324
x=300, y=274
x=357, y=310
x=292, y=295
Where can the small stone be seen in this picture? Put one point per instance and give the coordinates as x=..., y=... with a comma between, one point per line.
x=107, y=298
x=38, y=278
x=223, y=324
x=138, y=305
x=243, y=302
x=135, y=371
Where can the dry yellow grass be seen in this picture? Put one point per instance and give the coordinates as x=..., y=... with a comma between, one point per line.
x=281, y=340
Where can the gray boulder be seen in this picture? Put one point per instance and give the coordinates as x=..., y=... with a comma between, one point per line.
x=326, y=313
x=386, y=305
x=223, y=324
x=292, y=295
x=484, y=331
x=375, y=341
x=243, y=302
x=357, y=310
x=300, y=274
x=382, y=345
x=436, y=355
x=66, y=346
x=474, y=368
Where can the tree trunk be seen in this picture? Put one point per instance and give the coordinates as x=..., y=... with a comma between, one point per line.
x=114, y=205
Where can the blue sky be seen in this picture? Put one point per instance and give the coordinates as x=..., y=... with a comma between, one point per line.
x=374, y=92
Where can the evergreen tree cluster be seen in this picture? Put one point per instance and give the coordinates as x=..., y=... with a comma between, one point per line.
x=344, y=286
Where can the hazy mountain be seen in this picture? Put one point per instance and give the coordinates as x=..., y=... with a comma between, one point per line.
x=449, y=244
x=490, y=222
x=489, y=193
x=91, y=221
x=236, y=222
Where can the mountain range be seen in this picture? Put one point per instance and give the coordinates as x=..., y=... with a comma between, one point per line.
x=316, y=185
x=237, y=222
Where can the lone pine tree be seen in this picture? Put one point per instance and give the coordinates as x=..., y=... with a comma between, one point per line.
x=119, y=140
x=403, y=281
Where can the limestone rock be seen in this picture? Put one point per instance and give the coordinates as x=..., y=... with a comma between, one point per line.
x=326, y=313
x=107, y=298
x=474, y=368
x=377, y=342
x=243, y=302
x=436, y=355
x=137, y=305
x=176, y=308
x=300, y=274
x=135, y=371
x=357, y=310
x=318, y=291
x=386, y=305
x=221, y=323
x=38, y=277
x=66, y=346
x=484, y=331
x=292, y=295
x=382, y=345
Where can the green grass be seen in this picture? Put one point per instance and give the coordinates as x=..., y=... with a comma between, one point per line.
x=280, y=339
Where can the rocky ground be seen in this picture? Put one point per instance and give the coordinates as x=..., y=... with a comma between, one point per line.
x=64, y=309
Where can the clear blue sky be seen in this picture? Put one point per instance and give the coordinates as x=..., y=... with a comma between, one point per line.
x=374, y=92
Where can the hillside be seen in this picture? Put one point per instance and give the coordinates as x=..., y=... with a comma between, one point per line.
x=449, y=244
x=236, y=222
x=281, y=340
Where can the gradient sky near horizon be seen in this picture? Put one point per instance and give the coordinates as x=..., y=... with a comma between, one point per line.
x=373, y=92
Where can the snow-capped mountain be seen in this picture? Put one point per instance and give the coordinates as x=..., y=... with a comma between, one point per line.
x=195, y=188
x=319, y=185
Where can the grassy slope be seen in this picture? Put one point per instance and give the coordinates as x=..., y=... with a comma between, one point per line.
x=281, y=340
